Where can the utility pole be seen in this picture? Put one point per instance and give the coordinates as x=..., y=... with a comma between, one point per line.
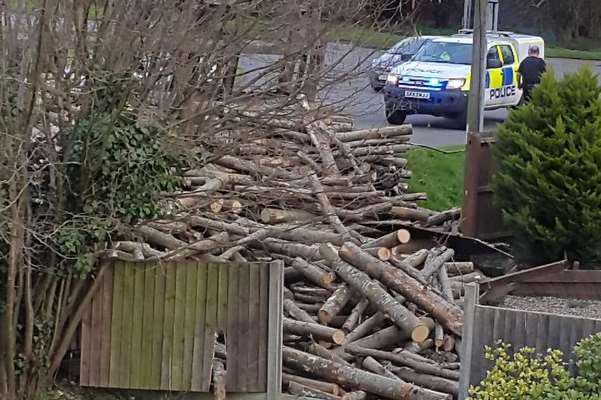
x=470, y=214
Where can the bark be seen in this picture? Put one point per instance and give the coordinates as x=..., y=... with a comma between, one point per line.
x=322, y=143
x=363, y=213
x=321, y=351
x=356, y=378
x=378, y=142
x=240, y=164
x=475, y=276
x=326, y=207
x=391, y=240
x=411, y=214
x=381, y=339
x=416, y=348
x=307, y=298
x=314, y=274
x=372, y=365
x=290, y=249
x=357, y=312
x=299, y=389
x=313, y=291
x=450, y=316
x=314, y=329
x=356, y=395
x=428, y=381
x=312, y=383
x=311, y=308
x=459, y=268
x=445, y=285
x=297, y=313
x=403, y=360
x=449, y=343
x=376, y=133
x=383, y=253
x=441, y=217
x=379, y=297
x=438, y=336
x=219, y=379
x=366, y=327
x=433, y=265
x=413, y=260
x=389, y=149
x=278, y=216
x=144, y=248
x=398, y=162
x=334, y=304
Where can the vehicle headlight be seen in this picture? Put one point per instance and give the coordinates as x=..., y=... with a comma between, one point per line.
x=455, y=83
x=392, y=79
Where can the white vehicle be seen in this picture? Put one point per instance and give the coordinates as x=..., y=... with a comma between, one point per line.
x=437, y=79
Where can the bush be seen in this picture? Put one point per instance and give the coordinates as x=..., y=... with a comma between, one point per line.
x=549, y=180
x=532, y=376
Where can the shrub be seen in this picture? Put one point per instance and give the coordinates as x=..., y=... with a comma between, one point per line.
x=533, y=376
x=549, y=180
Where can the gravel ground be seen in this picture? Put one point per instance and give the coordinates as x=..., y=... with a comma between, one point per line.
x=555, y=305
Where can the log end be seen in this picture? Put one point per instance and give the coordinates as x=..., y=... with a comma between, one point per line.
x=403, y=236
x=338, y=337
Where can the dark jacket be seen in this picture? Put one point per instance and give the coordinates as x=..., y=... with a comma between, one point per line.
x=531, y=69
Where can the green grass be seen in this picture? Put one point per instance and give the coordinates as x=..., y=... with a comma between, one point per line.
x=438, y=174
x=560, y=52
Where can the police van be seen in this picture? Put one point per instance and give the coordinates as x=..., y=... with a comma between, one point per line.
x=437, y=79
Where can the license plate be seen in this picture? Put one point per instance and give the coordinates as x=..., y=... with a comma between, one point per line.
x=417, y=95
x=382, y=77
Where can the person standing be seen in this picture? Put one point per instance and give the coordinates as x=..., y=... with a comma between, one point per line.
x=531, y=70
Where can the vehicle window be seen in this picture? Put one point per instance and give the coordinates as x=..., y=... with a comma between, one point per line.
x=508, y=57
x=493, y=60
x=445, y=52
x=407, y=46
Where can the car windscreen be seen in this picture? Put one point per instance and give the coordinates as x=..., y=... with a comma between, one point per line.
x=407, y=46
x=445, y=52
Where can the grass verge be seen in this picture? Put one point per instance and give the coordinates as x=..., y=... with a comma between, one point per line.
x=438, y=174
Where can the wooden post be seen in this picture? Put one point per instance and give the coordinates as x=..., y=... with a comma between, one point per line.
x=274, y=344
x=472, y=292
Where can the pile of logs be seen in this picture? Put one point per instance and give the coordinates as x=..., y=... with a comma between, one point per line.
x=364, y=314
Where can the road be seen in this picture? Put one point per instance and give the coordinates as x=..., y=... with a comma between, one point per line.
x=347, y=88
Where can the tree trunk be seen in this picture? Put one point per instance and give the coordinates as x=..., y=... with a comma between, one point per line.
x=450, y=316
x=405, y=361
x=353, y=319
x=314, y=329
x=334, y=304
x=361, y=282
x=314, y=274
x=391, y=240
x=356, y=378
x=366, y=327
x=372, y=365
x=296, y=313
x=319, y=385
x=299, y=389
x=428, y=381
x=375, y=133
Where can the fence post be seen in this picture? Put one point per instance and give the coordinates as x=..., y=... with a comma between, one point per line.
x=472, y=292
x=274, y=344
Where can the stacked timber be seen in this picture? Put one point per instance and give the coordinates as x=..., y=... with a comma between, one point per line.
x=365, y=314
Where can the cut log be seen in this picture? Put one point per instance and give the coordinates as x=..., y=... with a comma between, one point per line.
x=405, y=361
x=319, y=385
x=438, y=336
x=411, y=214
x=379, y=297
x=439, y=218
x=381, y=339
x=427, y=381
x=278, y=216
x=334, y=304
x=449, y=343
x=307, y=298
x=326, y=207
x=356, y=395
x=299, y=389
x=133, y=247
x=366, y=327
x=372, y=365
x=297, y=313
x=378, y=142
x=321, y=351
x=356, y=378
x=413, y=260
x=290, y=249
x=240, y=164
x=391, y=240
x=375, y=133
x=459, y=267
x=310, y=308
x=292, y=275
x=450, y=316
x=314, y=329
x=219, y=379
x=360, y=214
x=313, y=291
x=475, y=276
x=392, y=149
x=417, y=348
x=445, y=285
x=353, y=319
x=314, y=274
x=422, y=331
x=432, y=266
x=383, y=253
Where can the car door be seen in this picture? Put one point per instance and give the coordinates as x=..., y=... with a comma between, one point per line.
x=494, y=78
x=511, y=92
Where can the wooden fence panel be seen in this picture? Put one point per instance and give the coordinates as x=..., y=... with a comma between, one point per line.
x=153, y=326
x=487, y=326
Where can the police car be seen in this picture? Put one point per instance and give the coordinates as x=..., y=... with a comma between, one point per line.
x=437, y=79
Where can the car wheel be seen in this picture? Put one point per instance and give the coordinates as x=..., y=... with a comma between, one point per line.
x=396, y=117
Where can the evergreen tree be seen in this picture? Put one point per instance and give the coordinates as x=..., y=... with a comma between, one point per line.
x=549, y=179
